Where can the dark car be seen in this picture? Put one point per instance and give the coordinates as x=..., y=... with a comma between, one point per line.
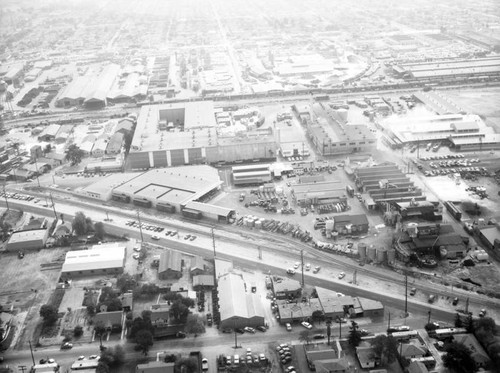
x=318, y=336
x=239, y=330
x=227, y=330
x=261, y=328
x=455, y=301
x=180, y=335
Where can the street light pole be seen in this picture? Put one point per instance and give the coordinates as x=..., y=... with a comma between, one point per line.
x=328, y=330
x=302, y=266
x=406, y=296
x=32, y=356
x=140, y=225
x=213, y=241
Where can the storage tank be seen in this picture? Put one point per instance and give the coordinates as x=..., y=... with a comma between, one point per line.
x=391, y=255
x=381, y=254
x=371, y=252
x=362, y=250
x=329, y=224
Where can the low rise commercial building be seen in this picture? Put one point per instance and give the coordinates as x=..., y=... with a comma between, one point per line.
x=106, y=259
x=33, y=239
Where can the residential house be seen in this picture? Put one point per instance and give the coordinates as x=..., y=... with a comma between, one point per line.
x=411, y=350
x=155, y=367
x=127, y=300
x=366, y=357
x=57, y=158
x=110, y=320
x=159, y=315
x=480, y=357
x=36, y=223
x=125, y=125
x=63, y=229
x=170, y=265
x=49, y=133
x=417, y=367
x=287, y=288
x=332, y=366
x=64, y=133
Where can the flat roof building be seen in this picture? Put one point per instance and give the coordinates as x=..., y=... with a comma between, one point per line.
x=101, y=259
x=27, y=240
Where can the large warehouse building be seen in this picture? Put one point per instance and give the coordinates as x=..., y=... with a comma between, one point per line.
x=180, y=134
x=238, y=307
x=332, y=135
x=101, y=259
x=28, y=240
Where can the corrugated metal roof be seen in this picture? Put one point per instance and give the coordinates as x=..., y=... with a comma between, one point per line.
x=99, y=257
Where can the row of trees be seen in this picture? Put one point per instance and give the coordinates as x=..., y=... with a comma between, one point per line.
x=83, y=225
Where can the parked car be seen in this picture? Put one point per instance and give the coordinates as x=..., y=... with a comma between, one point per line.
x=239, y=330
x=288, y=327
x=413, y=291
x=455, y=301
x=306, y=325
x=316, y=269
x=249, y=329
x=308, y=267
x=66, y=346
x=261, y=328
x=155, y=237
x=318, y=336
x=341, y=275
x=290, y=271
x=296, y=265
x=204, y=364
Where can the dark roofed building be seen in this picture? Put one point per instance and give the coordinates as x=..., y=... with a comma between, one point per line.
x=109, y=319
x=155, y=367
x=170, y=265
x=203, y=282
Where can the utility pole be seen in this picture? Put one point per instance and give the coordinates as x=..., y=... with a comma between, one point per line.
x=339, y=320
x=37, y=173
x=53, y=206
x=467, y=305
x=328, y=330
x=213, y=241
x=260, y=252
x=302, y=266
x=22, y=368
x=389, y=323
x=32, y=357
x=429, y=318
x=354, y=277
x=406, y=295
x=6, y=200
x=140, y=225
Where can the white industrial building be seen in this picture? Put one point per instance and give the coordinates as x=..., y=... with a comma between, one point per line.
x=106, y=259
x=239, y=307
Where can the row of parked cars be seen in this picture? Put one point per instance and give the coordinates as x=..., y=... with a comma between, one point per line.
x=18, y=196
x=148, y=227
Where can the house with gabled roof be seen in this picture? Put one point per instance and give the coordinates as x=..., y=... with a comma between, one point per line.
x=481, y=358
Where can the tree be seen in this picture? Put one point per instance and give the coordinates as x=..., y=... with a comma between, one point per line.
x=99, y=230
x=49, y=314
x=144, y=340
x=430, y=327
x=469, y=323
x=91, y=310
x=139, y=324
x=102, y=367
x=179, y=311
x=74, y=154
x=305, y=336
x=79, y=224
x=486, y=323
x=78, y=331
x=318, y=316
x=99, y=329
x=186, y=365
x=125, y=283
x=47, y=149
x=385, y=348
x=113, y=357
x=354, y=334
x=458, y=358
x=194, y=325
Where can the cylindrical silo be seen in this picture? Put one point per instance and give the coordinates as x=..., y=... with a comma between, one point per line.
x=381, y=254
x=371, y=252
x=362, y=250
x=391, y=255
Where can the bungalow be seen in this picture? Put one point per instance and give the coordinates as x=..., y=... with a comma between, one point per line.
x=417, y=367
x=110, y=320
x=127, y=302
x=58, y=158
x=125, y=125
x=366, y=357
x=332, y=366
x=201, y=282
x=159, y=315
x=480, y=357
x=49, y=133
x=62, y=230
x=411, y=350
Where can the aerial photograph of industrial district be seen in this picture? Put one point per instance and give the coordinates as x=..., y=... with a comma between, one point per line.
x=234, y=186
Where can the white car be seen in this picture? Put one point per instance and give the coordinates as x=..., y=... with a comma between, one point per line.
x=341, y=275
x=155, y=237
x=290, y=271
x=316, y=269
x=136, y=256
x=204, y=364
x=296, y=265
x=306, y=325
x=308, y=266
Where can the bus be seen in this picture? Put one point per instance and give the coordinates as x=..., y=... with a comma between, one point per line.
x=428, y=361
x=446, y=333
x=405, y=336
